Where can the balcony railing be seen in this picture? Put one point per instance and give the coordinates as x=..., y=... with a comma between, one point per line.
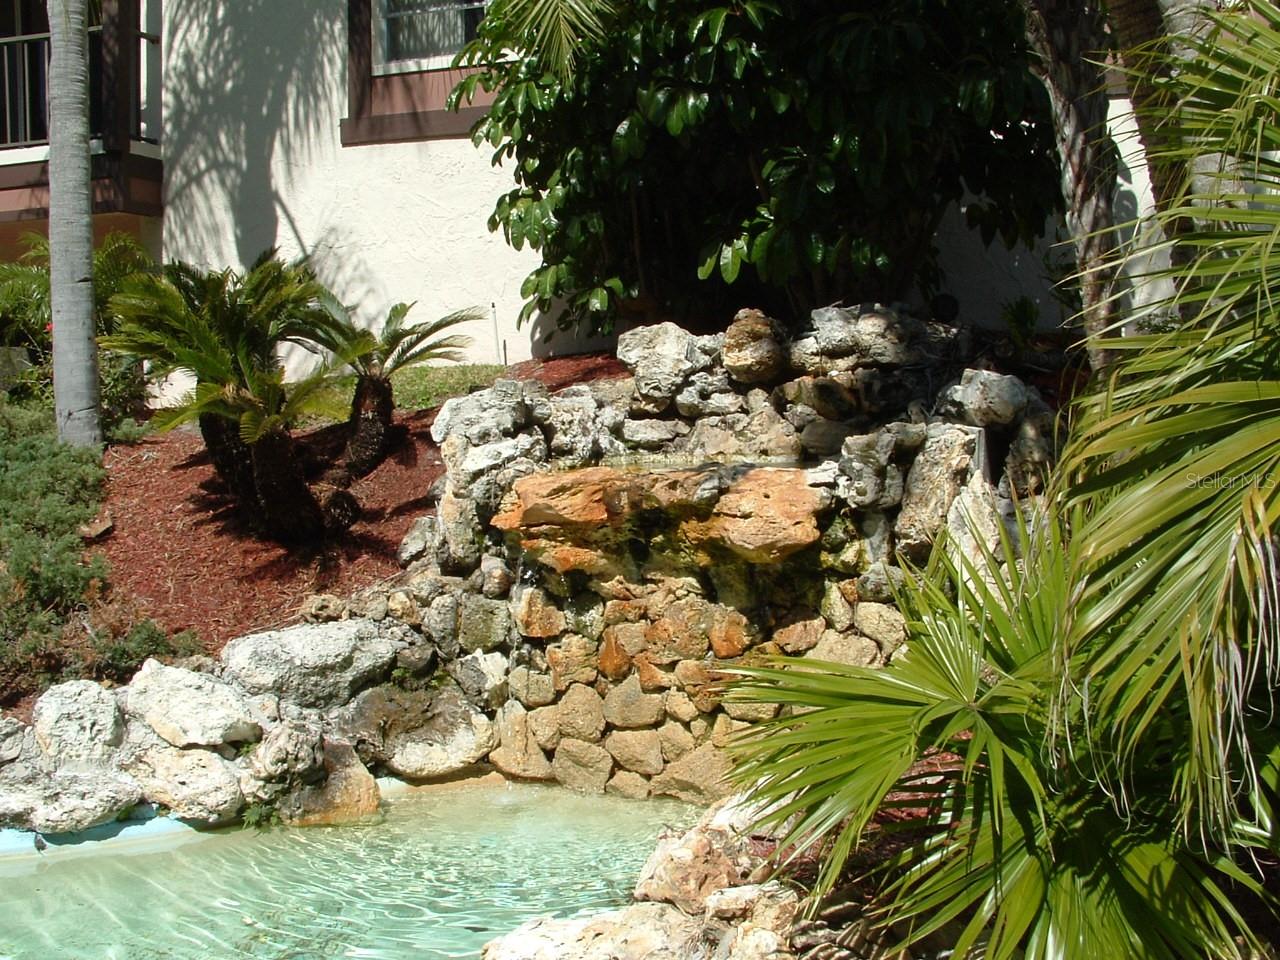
x=24, y=65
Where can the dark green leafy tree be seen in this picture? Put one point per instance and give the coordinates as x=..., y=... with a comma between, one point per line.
x=375, y=358
x=802, y=150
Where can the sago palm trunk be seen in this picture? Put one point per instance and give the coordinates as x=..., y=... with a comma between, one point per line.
x=370, y=424
x=290, y=512
x=75, y=353
x=232, y=461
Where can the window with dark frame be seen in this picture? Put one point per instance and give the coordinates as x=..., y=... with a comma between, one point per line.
x=424, y=32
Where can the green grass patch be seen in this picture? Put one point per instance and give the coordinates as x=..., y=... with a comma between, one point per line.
x=421, y=388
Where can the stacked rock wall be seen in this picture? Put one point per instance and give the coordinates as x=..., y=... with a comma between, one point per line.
x=599, y=557
x=738, y=495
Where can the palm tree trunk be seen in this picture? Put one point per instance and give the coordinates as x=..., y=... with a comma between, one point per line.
x=75, y=353
x=290, y=512
x=1068, y=38
x=370, y=423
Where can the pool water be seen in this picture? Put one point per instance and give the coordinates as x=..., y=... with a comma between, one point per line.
x=446, y=871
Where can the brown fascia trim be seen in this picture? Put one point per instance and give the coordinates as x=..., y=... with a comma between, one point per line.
x=112, y=177
x=361, y=125
x=402, y=127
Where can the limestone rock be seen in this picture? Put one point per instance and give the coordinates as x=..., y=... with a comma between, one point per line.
x=518, y=753
x=483, y=416
x=461, y=532
x=13, y=738
x=984, y=399
x=628, y=706
x=680, y=707
x=572, y=660
x=442, y=623
x=709, y=394
x=535, y=614
x=637, y=750
x=290, y=752
x=882, y=623
x=873, y=335
x=835, y=609
x=626, y=784
x=349, y=793
x=800, y=634
x=766, y=515
x=483, y=624
x=642, y=931
x=314, y=665
x=652, y=434
x=752, y=348
x=938, y=473
x=455, y=736
x=322, y=607
x=482, y=677
x=78, y=722
x=64, y=800
x=846, y=648
x=401, y=606
x=189, y=709
x=195, y=784
x=879, y=581
x=573, y=426
x=685, y=869
x=697, y=777
x=497, y=577
x=421, y=538
x=531, y=688
x=580, y=713
x=581, y=766
x=675, y=740
x=661, y=357
x=865, y=461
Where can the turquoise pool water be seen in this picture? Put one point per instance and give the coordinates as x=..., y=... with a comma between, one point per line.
x=447, y=871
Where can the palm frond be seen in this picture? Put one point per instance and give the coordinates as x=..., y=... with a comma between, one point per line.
x=1175, y=465
x=554, y=31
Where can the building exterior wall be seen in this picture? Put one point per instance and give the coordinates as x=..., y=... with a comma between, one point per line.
x=254, y=94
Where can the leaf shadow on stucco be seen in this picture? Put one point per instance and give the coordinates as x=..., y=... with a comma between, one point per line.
x=250, y=87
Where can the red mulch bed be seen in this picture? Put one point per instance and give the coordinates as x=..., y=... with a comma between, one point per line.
x=178, y=548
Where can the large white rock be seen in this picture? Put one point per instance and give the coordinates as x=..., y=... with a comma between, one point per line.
x=313, y=664
x=941, y=468
x=63, y=801
x=642, y=931
x=194, y=784
x=983, y=398
x=483, y=416
x=189, y=709
x=77, y=723
x=455, y=736
x=661, y=356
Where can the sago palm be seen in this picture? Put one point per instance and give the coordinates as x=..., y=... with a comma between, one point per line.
x=1175, y=463
x=375, y=357
x=224, y=329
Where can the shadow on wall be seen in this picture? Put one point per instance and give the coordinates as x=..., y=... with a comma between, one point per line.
x=248, y=88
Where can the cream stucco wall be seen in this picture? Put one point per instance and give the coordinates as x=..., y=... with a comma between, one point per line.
x=253, y=95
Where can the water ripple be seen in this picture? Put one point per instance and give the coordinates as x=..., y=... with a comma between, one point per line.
x=445, y=872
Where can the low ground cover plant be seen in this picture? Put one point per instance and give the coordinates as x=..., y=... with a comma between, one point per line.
x=57, y=618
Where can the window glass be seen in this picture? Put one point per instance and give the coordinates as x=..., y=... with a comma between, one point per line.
x=428, y=29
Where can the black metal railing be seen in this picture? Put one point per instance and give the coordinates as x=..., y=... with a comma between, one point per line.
x=24, y=66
